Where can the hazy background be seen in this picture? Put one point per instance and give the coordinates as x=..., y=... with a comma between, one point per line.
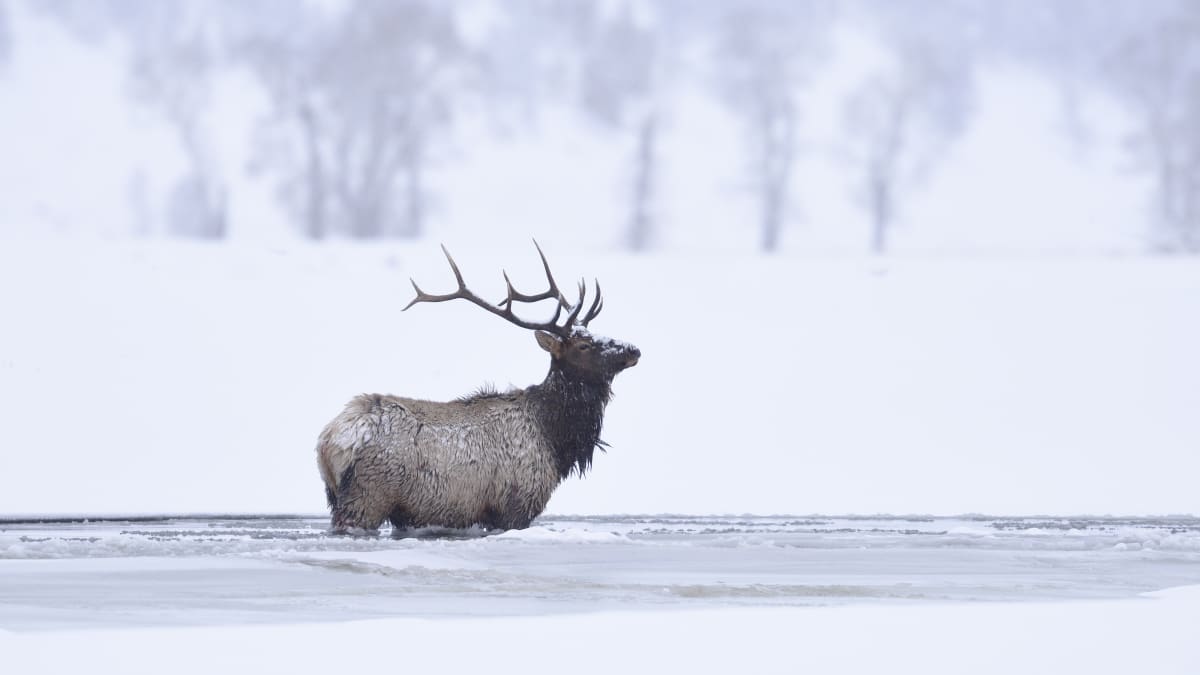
x=958, y=126
x=890, y=255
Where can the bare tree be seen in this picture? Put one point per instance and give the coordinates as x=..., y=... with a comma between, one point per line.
x=619, y=89
x=173, y=49
x=288, y=142
x=173, y=55
x=1157, y=71
x=766, y=51
x=900, y=118
x=358, y=101
x=611, y=60
x=624, y=64
x=5, y=34
x=1147, y=54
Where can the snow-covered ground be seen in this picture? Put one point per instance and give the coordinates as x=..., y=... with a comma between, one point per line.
x=706, y=594
x=1151, y=635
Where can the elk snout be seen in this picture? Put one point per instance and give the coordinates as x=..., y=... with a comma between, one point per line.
x=632, y=356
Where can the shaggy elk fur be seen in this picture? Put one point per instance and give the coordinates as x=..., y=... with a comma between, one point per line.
x=490, y=459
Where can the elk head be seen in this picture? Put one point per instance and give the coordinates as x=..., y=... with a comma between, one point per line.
x=574, y=350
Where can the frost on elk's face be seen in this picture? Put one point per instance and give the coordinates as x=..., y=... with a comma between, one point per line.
x=587, y=356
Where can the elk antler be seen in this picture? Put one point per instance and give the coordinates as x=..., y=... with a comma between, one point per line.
x=504, y=308
x=597, y=305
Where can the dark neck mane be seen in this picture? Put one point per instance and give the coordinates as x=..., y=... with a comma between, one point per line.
x=571, y=411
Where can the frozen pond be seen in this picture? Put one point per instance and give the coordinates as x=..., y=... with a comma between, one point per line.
x=223, y=570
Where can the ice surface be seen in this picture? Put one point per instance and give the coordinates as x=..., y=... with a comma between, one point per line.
x=179, y=571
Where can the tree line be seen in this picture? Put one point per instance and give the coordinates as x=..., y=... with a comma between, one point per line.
x=363, y=92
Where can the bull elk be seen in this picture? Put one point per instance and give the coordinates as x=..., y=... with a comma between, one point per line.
x=490, y=459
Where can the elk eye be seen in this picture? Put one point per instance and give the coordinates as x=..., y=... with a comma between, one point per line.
x=584, y=347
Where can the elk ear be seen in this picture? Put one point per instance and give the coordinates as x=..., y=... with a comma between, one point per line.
x=549, y=342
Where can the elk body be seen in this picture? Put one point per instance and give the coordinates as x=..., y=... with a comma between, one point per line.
x=490, y=459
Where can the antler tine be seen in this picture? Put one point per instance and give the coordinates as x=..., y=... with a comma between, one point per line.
x=597, y=305
x=422, y=296
x=551, y=293
x=546, y=266
x=457, y=275
x=573, y=317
